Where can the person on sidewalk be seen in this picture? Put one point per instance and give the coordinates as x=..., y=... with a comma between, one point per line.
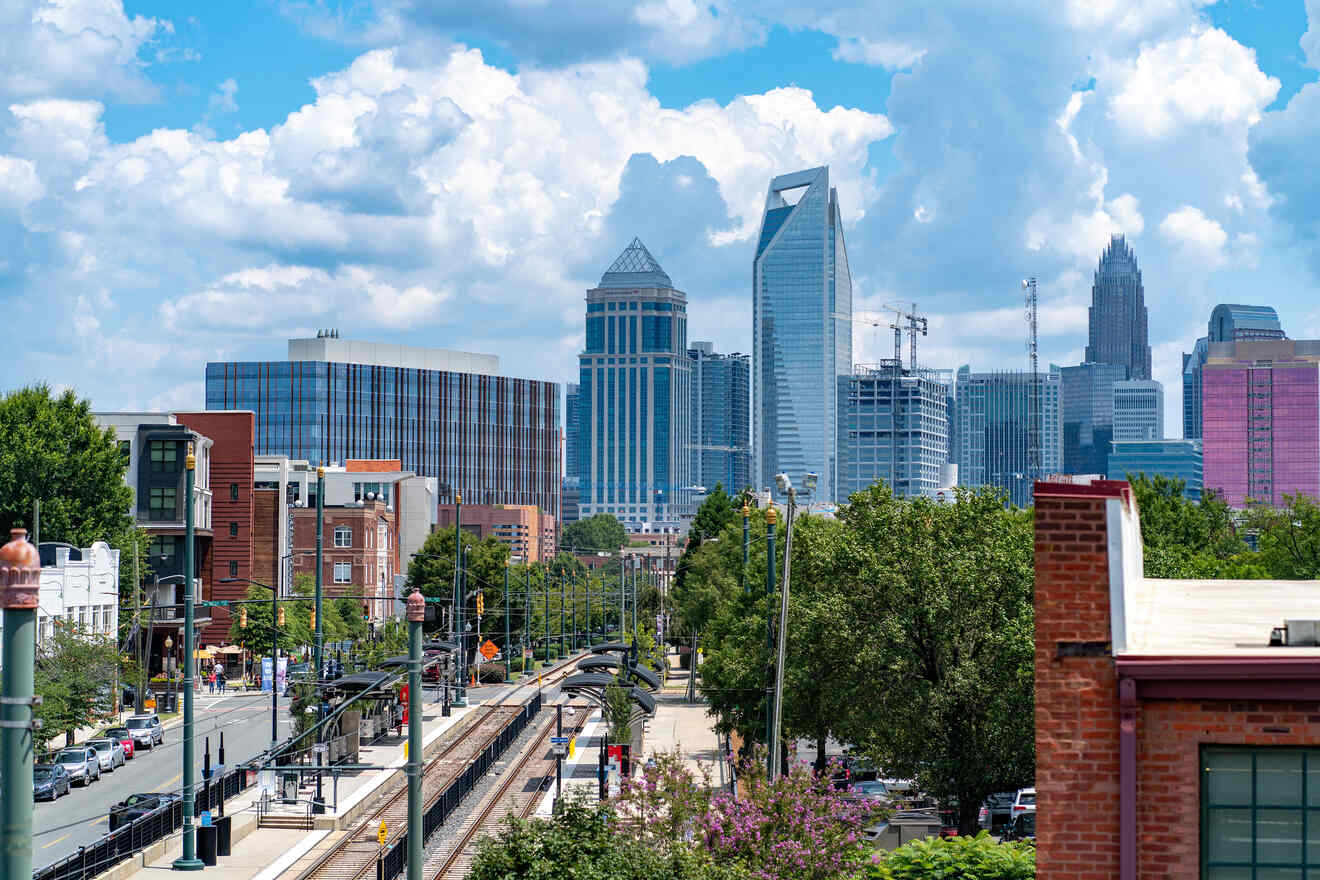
x=210, y=682
x=220, y=676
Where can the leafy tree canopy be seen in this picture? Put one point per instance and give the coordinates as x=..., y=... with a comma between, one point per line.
x=432, y=570
x=73, y=675
x=600, y=532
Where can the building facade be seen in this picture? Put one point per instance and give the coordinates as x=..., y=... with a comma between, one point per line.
x=721, y=430
x=1228, y=322
x=993, y=415
x=79, y=587
x=529, y=534
x=635, y=396
x=359, y=552
x=1117, y=316
x=801, y=331
x=442, y=414
x=894, y=428
x=571, y=496
x=1176, y=459
x=1088, y=416
x=1138, y=409
x=1262, y=419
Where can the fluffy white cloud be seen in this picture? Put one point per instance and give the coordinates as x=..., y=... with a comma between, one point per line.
x=882, y=53
x=1199, y=236
x=1205, y=77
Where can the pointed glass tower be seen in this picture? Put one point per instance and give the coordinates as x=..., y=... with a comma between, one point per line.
x=634, y=399
x=1118, y=312
x=801, y=331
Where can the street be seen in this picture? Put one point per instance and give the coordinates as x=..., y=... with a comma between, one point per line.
x=80, y=817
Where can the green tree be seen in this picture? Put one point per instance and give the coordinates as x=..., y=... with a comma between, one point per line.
x=600, y=532
x=942, y=599
x=717, y=513
x=53, y=452
x=432, y=571
x=618, y=711
x=73, y=675
x=1182, y=538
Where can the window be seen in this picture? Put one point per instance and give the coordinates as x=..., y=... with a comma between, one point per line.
x=233, y=491
x=343, y=572
x=164, y=456
x=233, y=530
x=162, y=548
x=162, y=504
x=1260, y=808
x=125, y=450
x=233, y=569
x=343, y=536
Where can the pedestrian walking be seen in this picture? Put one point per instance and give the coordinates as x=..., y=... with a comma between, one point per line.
x=220, y=679
x=210, y=682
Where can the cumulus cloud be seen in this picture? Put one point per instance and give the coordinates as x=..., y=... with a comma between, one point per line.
x=889, y=55
x=1199, y=236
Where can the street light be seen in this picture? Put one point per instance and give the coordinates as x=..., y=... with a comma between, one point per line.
x=785, y=485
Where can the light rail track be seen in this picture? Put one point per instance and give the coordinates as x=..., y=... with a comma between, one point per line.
x=521, y=787
x=354, y=856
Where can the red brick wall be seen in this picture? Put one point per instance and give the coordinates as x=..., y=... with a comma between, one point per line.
x=363, y=559
x=233, y=444
x=266, y=536
x=1076, y=697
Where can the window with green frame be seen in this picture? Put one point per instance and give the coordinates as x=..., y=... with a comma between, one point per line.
x=164, y=456
x=162, y=504
x=1260, y=813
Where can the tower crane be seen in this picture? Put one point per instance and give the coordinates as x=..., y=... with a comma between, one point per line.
x=904, y=317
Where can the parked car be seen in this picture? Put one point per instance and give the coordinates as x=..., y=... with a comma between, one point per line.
x=1025, y=802
x=997, y=811
x=124, y=737
x=136, y=806
x=81, y=763
x=1023, y=827
x=50, y=781
x=147, y=730
x=109, y=752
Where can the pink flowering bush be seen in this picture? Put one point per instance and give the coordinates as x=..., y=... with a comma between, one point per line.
x=796, y=828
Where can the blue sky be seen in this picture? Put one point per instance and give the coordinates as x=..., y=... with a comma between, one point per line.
x=183, y=182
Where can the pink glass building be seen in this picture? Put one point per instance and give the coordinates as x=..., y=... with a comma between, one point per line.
x=1261, y=420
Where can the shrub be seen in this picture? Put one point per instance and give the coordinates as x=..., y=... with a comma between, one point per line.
x=958, y=858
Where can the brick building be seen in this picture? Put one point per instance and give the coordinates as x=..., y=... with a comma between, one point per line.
x=1177, y=722
x=232, y=445
x=360, y=551
x=529, y=533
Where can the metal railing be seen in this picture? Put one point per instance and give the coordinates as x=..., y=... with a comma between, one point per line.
x=122, y=843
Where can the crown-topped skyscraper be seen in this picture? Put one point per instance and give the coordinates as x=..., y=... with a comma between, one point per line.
x=1117, y=315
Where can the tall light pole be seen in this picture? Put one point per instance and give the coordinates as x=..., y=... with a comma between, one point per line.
x=808, y=484
x=416, y=611
x=770, y=517
x=463, y=626
x=546, y=658
x=188, y=861
x=563, y=643
x=456, y=612
x=20, y=587
x=318, y=804
x=508, y=645
x=747, y=515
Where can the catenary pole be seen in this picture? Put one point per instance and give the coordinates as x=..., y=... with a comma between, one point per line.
x=188, y=861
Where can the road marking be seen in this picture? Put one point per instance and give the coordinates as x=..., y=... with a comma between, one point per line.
x=98, y=819
x=55, y=841
x=168, y=783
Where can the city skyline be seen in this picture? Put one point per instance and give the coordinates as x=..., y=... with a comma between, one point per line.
x=239, y=174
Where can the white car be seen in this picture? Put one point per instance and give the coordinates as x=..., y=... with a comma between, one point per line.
x=147, y=730
x=109, y=753
x=81, y=763
x=1025, y=802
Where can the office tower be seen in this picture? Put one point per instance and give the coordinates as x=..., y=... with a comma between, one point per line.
x=572, y=488
x=721, y=432
x=894, y=428
x=994, y=429
x=1262, y=419
x=442, y=414
x=1176, y=459
x=1088, y=415
x=801, y=330
x=1138, y=408
x=1117, y=316
x=635, y=396
x=1228, y=322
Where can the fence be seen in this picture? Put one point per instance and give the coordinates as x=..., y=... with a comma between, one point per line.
x=395, y=859
x=124, y=841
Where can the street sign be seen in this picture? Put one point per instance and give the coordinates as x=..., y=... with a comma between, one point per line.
x=381, y=833
x=559, y=740
x=489, y=649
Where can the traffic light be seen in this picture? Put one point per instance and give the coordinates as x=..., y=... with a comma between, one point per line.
x=279, y=616
x=242, y=618
x=481, y=604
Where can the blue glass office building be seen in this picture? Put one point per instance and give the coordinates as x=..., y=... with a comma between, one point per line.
x=1170, y=458
x=894, y=428
x=801, y=331
x=634, y=402
x=1228, y=323
x=994, y=430
x=721, y=431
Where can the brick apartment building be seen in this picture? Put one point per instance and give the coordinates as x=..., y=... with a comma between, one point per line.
x=232, y=444
x=360, y=551
x=529, y=533
x=1177, y=722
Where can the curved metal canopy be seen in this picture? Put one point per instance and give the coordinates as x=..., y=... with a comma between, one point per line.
x=607, y=647
x=594, y=683
x=589, y=664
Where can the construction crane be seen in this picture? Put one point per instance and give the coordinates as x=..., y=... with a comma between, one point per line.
x=1033, y=397
x=906, y=319
x=878, y=319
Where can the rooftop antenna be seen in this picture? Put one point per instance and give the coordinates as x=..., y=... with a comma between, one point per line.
x=1033, y=396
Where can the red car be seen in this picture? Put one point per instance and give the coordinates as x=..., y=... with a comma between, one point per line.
x=124, y=737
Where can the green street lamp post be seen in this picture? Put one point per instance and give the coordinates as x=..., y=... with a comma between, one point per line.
x=416, y=610
x=546, y=660
x=769, y=636
x=563, y=643
x=188, y=861
x=575, y=626
x=318, y=803
x=20, y=587
x=456, y=614
x=508, y=645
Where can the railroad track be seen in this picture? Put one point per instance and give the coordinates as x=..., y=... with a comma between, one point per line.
x=354, y=856
x=520, y=789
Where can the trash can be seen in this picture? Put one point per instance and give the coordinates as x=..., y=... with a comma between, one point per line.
x=222, y=838
x=206, y=842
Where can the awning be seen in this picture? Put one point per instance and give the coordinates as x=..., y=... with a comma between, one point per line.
x=607, y=647
x=227, y=649
x=593, y=664
x=359, y=682
x=202, y=654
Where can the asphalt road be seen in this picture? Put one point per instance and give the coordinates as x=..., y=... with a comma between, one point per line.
x=80, y=817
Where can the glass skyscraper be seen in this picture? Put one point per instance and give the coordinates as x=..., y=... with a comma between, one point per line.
x=994, y=430
x=1138, y=410
x=571, y=447
x=1179, y=459
x=1117, y=317
x=442, y=414
x=635, y=396
x=894, y=427
x=801, y=330
x=1088, y=416
x=721, y=433
x=1228, y=322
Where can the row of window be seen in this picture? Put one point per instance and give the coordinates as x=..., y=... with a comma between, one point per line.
x=89, y=618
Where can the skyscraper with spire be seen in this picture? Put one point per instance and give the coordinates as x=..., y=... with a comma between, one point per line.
x=1118, y=312
x=634, y=402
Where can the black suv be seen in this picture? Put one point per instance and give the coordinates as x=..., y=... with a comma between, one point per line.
x=136, y=806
